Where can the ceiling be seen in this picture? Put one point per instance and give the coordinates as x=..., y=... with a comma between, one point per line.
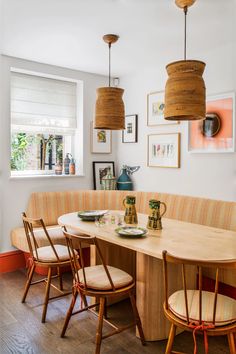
x=69, y=33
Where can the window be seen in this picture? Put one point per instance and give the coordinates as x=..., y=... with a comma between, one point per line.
x=43, y=123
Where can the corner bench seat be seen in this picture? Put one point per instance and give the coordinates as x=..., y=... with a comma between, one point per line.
x=19, y=241
x=50, y=205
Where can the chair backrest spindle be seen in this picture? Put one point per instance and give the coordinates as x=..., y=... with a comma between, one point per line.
x=31, y=236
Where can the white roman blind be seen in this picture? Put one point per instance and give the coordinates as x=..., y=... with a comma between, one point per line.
x=42, y=105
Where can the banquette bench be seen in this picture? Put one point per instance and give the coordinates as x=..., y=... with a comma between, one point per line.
x=51, y=205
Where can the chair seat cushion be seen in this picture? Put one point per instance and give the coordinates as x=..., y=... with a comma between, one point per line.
x=97, y=279
x=225, y=310
x=46, y=254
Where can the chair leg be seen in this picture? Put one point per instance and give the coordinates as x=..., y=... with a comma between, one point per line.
x=171, y=337
x=83, y=300
x=137, y=318
x=100, y=324
x=46, y=299
x=60, y=278
x=232, y=347
x=105, y=309
x=69, y=313
x=28, y=282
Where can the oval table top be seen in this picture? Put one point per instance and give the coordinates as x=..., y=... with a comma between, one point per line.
x=182, y=239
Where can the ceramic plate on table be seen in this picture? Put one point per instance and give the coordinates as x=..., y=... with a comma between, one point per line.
x=130, y=231
x=91, y=215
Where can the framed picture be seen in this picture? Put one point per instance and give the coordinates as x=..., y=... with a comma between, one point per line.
x=130, y=134
x=100, y=140
x=164, y=150
x=155, y=109
x=100, y=169
x=216, y=133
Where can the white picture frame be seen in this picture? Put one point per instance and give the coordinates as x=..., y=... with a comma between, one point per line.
x=164, y=150
x=101, y=140
x=155, y=109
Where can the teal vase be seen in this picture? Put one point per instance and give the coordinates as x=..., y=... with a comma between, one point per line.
x=124, y=182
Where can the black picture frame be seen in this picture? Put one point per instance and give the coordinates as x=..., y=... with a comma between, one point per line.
x=133, y=138
x=103, y=165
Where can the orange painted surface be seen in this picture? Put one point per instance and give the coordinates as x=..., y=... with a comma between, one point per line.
x=13, y=260
x=10, y=261
x=224, y=139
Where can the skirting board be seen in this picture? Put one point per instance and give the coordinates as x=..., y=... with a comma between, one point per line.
x=11, y=261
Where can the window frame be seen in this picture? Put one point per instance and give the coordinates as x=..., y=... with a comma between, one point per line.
x=77, y=139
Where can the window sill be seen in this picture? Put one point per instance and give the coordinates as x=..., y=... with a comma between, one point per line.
x=45, y=176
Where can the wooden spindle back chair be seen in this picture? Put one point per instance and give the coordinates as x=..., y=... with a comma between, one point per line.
x=29, y=225
x=179, y=309
x=56, y=256
x=86, y=283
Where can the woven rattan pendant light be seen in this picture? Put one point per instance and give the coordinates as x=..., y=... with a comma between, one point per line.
x=185, y=92
x=110, y=109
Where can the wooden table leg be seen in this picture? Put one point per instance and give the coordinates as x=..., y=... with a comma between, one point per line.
x=150, y=294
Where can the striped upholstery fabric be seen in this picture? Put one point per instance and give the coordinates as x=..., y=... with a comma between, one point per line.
x=50, y=205
x=225, y=309
x=94, y=200
x=18, y=237
x=202, y=211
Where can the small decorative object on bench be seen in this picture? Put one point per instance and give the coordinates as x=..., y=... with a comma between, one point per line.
x=154, y=219
x=124, y=181
x=67, y=164
x=109, y=181
x=130, y=211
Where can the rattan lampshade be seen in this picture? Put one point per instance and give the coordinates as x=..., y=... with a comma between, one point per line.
x=110, y=108
x=185, y=92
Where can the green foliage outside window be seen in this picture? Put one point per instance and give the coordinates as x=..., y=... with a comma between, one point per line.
x=25, y=148
x=20, y=143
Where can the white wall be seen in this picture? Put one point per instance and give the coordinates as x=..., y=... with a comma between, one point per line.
x=15, y=192
x=206, y=175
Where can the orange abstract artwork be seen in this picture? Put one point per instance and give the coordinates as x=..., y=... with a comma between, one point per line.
x=223, y=140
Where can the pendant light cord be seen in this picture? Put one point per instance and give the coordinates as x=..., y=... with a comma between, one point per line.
x=185, y=31
x=109, y=45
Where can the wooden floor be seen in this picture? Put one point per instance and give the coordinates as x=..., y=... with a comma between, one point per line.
x=22, y=332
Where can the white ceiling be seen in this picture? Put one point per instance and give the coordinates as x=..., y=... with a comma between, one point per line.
x=69, y=33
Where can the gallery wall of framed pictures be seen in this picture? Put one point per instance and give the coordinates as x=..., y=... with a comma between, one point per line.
x=163, y=147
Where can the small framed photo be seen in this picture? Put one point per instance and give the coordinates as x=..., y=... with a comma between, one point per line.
x=155, y=109
x=164, y=150
x=130, y=134
x=101, y=140
x=100, y=169
x=216, y=133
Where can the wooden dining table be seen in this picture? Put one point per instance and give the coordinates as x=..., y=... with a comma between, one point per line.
x=142, y=258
